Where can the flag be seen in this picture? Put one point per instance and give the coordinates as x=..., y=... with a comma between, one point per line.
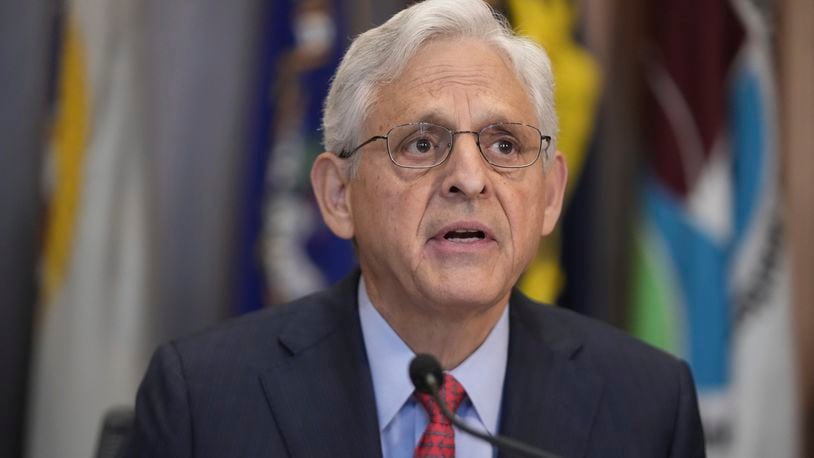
x=90, y=346
x=301, y=254
x=578, y=78
x=277, y=41
x=711, y=282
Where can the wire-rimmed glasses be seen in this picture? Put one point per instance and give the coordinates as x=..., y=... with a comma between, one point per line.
x=422, y=145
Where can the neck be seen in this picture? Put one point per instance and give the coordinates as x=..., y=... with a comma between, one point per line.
x=450, y=337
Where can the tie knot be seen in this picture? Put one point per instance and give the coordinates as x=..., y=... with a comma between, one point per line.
x=451, y=392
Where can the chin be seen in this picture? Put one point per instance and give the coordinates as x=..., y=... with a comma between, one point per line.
x=468, y=291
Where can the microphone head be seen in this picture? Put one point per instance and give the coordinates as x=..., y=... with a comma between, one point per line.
x=426, y=373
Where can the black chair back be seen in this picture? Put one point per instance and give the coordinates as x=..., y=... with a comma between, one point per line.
x=116, y=428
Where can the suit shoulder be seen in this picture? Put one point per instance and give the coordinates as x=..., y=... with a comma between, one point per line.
x=247, y=338
x=603, y=337
x=601, y=345
x=643, y=387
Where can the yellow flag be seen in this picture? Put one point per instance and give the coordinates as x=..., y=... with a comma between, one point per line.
x=577, y=77
x=68, y=143
x=92, y=339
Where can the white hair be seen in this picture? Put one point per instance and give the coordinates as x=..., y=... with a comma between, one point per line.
x=379, y=55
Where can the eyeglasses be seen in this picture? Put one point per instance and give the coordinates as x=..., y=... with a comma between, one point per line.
x=422, y=145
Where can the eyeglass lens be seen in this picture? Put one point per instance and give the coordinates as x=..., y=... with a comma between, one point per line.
x=426, y=144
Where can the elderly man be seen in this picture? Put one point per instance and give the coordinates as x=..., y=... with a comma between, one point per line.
x=441, y=165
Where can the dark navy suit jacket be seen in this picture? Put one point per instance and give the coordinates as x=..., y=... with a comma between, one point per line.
x=293, y=381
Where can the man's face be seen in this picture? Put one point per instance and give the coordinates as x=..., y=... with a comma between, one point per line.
x=456, y=237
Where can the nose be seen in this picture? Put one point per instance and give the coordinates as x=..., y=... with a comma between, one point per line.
x=466, y=171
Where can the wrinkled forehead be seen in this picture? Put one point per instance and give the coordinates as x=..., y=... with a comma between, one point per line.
x=449, y=78
x=472, y=61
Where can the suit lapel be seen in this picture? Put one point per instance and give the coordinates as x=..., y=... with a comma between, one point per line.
x=548, y=401
x=322, y=396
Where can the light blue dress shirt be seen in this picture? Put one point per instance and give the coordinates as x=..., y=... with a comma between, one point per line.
x=402, y=419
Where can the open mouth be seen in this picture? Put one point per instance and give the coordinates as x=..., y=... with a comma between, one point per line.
x=465, y=235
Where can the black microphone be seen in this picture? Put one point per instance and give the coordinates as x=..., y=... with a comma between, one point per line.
x=427, y=377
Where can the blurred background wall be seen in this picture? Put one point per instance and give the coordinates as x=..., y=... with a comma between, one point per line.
x=154, y=160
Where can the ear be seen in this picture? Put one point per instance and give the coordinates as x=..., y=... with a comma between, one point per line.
x=556, y=179
x=329, y=180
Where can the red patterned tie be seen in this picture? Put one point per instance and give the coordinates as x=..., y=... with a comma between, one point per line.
x=438, y=439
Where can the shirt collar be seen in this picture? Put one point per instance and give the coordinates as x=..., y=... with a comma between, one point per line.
x=481, y=374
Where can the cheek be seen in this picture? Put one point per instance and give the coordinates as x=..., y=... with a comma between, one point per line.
x=526, y=218
x=388, y=208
